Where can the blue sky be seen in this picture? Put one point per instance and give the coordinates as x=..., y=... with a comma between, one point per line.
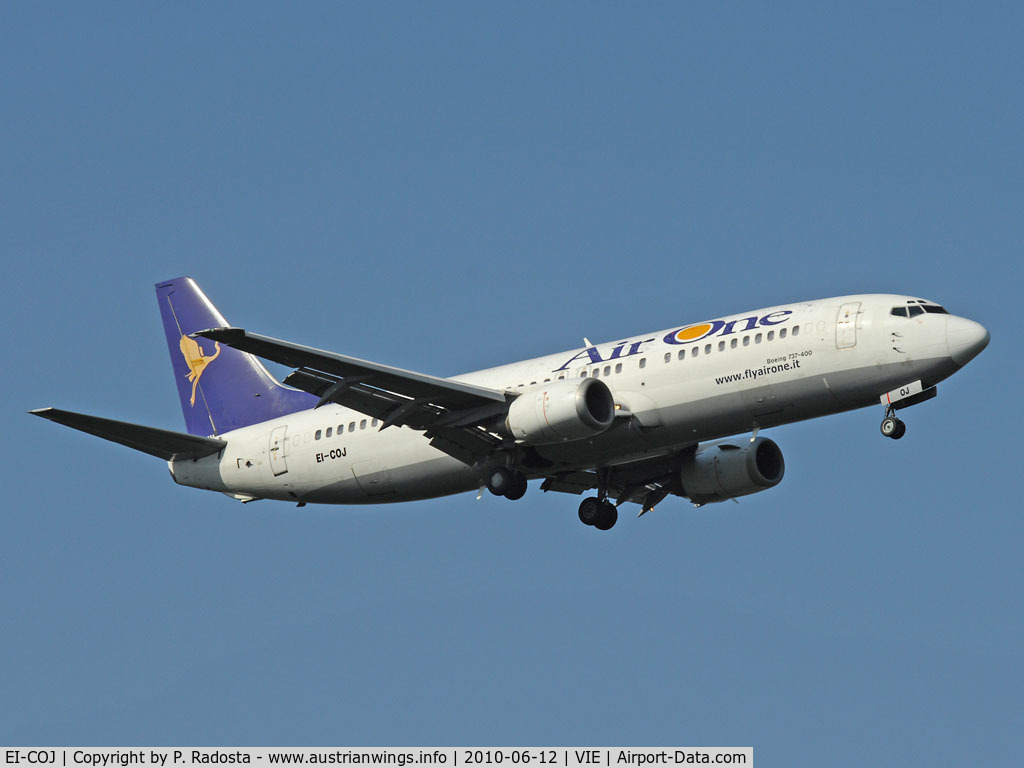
x=448, y=187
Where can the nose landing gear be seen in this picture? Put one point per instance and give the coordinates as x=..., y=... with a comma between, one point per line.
x=891, y=426
x=903, y=397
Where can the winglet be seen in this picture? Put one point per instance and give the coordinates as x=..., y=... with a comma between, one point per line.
x=227, y=335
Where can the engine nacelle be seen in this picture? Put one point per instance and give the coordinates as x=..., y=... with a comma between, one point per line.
x=567, y=409
x=726, y=469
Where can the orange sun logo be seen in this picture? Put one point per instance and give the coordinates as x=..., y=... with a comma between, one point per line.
x=694, y=332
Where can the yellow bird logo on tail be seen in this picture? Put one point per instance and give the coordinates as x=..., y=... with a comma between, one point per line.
x=196, y=361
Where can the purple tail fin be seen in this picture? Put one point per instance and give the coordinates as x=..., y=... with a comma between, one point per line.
x=221, y=388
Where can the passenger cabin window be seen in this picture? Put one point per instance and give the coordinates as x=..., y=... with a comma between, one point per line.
x=607, y=370
x=351, y=426
x=757, y=338
x=694, y=351
x=682, y=354
x=796, y=330
x=329, y=432
x=668, y=356
x=643, y=362
x=746, y=341
x=782, y=333
x=362, y=424
x=618, y=367
x=721, y=346
x=771, y=335
x=341, y=428
x=374, y=423
x=733, y=344
x=707, y=349
x=595, y=373
x=316, y=435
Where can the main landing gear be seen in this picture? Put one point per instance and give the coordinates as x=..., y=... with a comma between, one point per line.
x=597, y=511
x=891, y=426
x=600, y=513
x=506, y=482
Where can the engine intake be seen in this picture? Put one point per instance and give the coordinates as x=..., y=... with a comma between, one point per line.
x=727, y=469
x=558, y=411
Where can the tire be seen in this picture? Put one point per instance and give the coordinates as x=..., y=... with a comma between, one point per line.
x=901, y=430
x=518, y=487
x=590, y=510
x=890, y=427
x=608, y=517
x=499, y=481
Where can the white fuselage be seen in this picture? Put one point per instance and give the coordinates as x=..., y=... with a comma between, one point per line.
x=674, y=388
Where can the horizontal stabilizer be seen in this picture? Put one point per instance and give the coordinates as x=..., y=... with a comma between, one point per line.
x=162, y=443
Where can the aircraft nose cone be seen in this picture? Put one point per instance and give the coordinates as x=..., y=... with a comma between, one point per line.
x=965, y=339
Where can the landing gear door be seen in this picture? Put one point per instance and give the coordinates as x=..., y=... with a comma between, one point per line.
x=847, y=323
x=278, y=446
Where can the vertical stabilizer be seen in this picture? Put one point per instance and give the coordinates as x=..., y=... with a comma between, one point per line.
x=220, y=388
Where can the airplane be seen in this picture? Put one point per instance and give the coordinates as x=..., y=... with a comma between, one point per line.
x=675, y=412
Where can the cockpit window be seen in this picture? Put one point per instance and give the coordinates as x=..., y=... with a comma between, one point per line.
x=898, y=311
x=935, y=309
x=914, y=310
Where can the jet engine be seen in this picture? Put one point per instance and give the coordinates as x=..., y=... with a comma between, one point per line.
x=726, y=469
x=567, y=409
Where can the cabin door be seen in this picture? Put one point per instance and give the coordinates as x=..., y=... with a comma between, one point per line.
x=847, y=322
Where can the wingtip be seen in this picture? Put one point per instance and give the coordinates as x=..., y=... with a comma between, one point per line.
x=219, y=334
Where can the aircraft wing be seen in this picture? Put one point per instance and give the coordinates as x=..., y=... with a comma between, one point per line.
x=453, y=414
x=162, y=443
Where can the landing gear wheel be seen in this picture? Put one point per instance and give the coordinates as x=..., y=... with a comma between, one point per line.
x=608, y=517
x=499, y=481
x=518, y=487
x=893, y=427
x=590, y=510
